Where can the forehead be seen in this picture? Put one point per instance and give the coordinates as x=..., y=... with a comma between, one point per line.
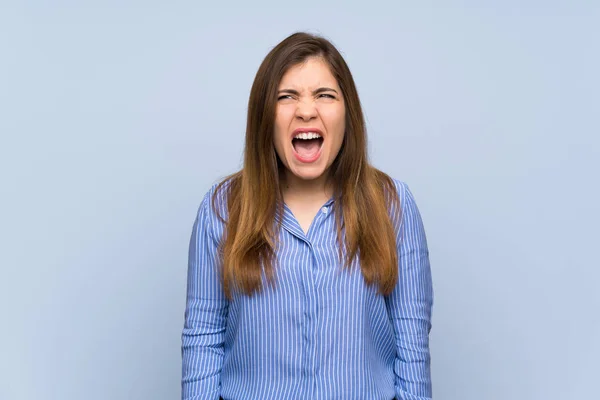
x=311, y=74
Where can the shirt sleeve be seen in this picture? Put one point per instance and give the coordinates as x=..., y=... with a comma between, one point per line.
x=410, y=305
x=205, y=313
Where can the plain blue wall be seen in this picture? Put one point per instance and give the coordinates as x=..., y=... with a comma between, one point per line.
x=116, y=117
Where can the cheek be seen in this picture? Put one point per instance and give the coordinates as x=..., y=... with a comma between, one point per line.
x=283, y=115
x=278, y=126
x=280, y=142
x=334, y=119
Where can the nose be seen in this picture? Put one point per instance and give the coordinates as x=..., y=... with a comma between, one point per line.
x=306, y=110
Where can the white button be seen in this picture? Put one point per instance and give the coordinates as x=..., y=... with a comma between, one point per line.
x=325, y=210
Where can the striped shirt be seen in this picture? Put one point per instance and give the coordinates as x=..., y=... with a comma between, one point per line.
x=320, y=332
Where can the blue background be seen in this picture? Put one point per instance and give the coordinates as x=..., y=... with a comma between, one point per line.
x=116, y=117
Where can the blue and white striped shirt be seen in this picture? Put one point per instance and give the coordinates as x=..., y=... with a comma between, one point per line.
x=320, y=332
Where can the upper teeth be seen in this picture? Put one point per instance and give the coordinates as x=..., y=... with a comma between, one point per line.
x=307, y=135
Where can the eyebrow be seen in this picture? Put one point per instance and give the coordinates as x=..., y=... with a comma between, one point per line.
x=316, y=91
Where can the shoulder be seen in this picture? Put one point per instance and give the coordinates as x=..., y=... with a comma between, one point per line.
x=401, y=201
x=394, y=188
x=400, y=186
x=213, y=205
x=404, y=192
x=405, y=196
x=212, y=212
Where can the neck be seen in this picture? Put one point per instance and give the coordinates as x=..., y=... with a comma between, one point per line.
x=296, y=189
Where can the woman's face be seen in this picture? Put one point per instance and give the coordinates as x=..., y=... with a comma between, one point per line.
x=310, y=120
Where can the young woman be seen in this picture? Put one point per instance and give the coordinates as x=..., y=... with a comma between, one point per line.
x=308, y=272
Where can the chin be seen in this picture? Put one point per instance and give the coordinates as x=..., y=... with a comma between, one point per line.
x=308, y=174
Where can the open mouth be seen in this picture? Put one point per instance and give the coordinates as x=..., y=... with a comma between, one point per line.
x=307, y=145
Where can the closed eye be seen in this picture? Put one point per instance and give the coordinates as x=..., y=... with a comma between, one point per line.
x=329, y=96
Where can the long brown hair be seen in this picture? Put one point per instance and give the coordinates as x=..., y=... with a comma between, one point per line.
x=362, y=193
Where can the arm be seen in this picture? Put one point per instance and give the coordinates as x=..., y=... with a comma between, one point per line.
x=410, y=305
x=205, y=314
